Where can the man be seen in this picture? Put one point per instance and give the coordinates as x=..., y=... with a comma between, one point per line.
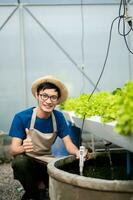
x=33, y=131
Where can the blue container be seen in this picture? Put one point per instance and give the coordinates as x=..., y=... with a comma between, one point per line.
x=59, y=149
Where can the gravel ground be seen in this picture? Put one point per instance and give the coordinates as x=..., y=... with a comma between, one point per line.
x=10, y=189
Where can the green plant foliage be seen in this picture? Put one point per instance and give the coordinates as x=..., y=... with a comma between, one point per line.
x=115, y=106
x=100, y=104
x=69, y=105
x=125, y=110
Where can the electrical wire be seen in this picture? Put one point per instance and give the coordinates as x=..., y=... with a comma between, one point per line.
x=103, y=68
x=125, y=20
x=124, y=34
x=119, y=27
x=122, y=18
x=123, y=4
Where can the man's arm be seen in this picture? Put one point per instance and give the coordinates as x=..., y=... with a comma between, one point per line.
x=19, y=146
x=72, y=149
x=16, y=146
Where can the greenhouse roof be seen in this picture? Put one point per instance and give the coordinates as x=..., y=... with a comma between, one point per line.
x=63, y=1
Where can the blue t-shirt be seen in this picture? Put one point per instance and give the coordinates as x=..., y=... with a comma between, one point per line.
x=22, y=121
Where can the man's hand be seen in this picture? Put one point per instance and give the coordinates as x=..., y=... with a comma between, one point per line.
x=27, y=143
x=86, y=154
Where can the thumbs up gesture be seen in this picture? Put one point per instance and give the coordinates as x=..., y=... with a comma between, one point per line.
x=27, y=143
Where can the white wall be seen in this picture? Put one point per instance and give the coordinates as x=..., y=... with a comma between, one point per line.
x=43, y=56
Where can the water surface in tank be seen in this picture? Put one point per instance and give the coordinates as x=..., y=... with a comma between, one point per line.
x=110, y=166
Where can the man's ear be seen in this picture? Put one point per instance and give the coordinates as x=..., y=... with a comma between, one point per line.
x=36, y=95
x=58, y=100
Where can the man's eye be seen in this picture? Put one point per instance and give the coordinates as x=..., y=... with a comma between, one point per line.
x=54, y=97
x=45, y=96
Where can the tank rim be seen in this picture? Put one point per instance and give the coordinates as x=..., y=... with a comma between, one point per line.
x=86, y=182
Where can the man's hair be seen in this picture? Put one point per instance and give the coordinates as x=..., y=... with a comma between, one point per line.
x=44, y=86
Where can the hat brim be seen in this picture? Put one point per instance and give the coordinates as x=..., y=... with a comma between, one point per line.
x=53, y=80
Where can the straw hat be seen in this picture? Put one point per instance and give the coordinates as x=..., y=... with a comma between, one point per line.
x=55, y=81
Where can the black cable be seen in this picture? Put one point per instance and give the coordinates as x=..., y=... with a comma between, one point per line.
x=105, y=61
x=124, y=18
x=5, y=22
x=120, y=8
x=120, y=17
x=125, y=39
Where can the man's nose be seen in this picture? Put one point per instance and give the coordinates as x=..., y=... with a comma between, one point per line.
x=49, y=100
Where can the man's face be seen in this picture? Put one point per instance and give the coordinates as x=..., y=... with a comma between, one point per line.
x=47, y=99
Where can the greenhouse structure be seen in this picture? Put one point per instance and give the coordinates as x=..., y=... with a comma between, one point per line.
x=88, y=46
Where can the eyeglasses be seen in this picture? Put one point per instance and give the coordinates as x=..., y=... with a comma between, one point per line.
x=44, y=97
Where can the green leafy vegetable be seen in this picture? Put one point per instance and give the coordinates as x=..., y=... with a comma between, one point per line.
x=116, y=106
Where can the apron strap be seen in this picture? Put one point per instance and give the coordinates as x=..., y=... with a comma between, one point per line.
x=54, y=123
x=33, y=119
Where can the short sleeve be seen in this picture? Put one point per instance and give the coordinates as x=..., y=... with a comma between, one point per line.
x=17, y=129
x=62, y=126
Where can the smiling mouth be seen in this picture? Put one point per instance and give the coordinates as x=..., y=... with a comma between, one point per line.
x=48, y=106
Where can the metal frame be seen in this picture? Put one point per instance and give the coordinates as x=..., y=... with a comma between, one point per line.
x=65, y=2
x=19, y=5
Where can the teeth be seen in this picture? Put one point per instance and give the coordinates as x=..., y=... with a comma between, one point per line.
x=47, y=106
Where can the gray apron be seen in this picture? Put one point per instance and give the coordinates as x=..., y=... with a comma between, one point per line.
x=42, y=141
